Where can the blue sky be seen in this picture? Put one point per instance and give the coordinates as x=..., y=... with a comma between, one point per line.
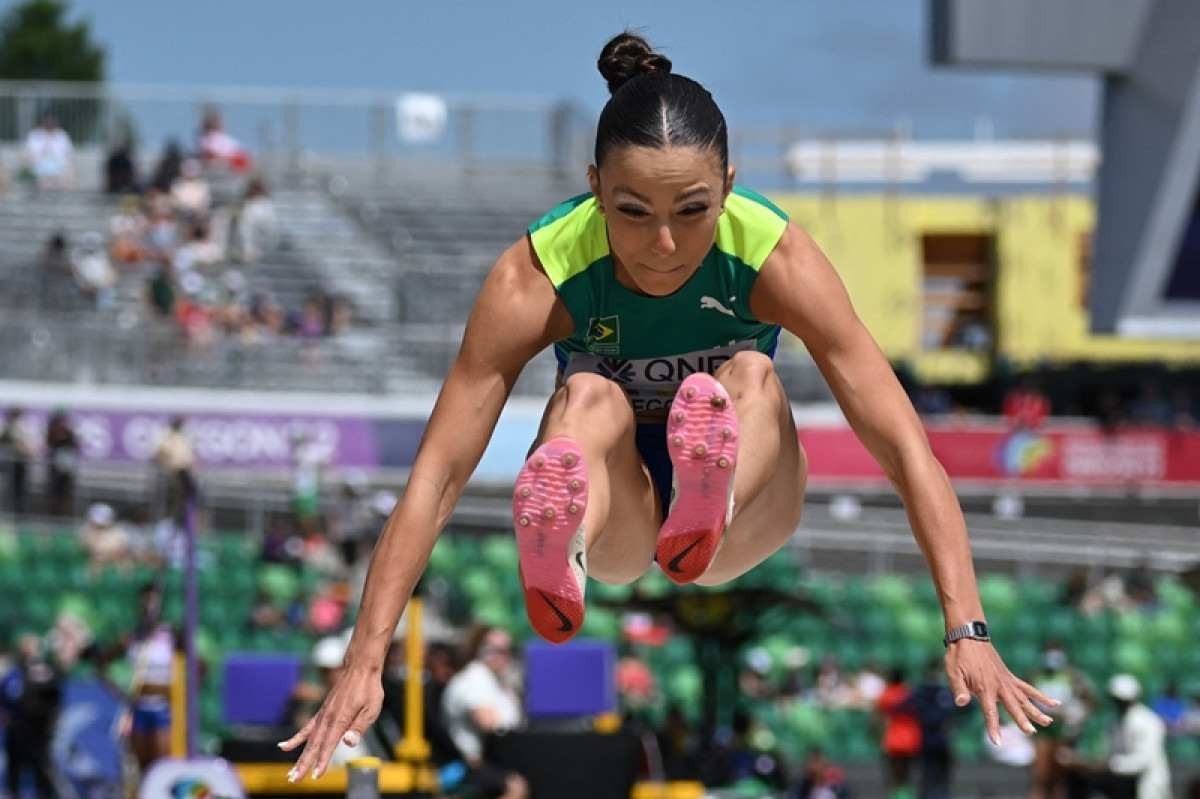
x=849, y=64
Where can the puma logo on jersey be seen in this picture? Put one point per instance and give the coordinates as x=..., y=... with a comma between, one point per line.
x=711, y=303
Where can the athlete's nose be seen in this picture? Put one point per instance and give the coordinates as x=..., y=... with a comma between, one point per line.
x=664, y=245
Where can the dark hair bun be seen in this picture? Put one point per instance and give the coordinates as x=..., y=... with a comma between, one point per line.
x=626, y=56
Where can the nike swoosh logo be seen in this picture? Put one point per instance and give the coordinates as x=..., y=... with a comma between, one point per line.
x=567, y=626
x=673, y=565
x=579, y=560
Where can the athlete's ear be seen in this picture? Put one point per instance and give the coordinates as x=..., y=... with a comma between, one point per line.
x=730, y=175
x=593, y=176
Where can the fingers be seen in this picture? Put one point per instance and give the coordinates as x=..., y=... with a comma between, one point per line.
x=298, y=738
x=991, y=716
x=331, y=734
x=359, y=727
x=1042, y=699
x=958, y=684
x=1032, y=711
x=1012, y=703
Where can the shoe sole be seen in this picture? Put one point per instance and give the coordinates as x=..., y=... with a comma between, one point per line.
x=549, y=499
x=702, y=436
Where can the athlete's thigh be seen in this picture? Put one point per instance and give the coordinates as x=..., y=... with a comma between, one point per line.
x=767, y=521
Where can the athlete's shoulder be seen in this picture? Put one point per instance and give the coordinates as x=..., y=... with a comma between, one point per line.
x=569, y=238
x=750, y=227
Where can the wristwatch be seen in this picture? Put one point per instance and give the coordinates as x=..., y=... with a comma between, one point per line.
x=975, y=630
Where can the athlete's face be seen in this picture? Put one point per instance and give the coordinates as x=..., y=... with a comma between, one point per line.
x=662, y=206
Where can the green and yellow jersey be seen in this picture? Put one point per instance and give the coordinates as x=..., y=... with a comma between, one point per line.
x=650, y=344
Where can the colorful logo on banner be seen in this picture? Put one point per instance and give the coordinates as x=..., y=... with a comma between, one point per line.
x=1023, y=452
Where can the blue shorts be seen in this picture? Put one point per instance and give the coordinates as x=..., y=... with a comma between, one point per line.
x=651, y=441
x=151, y=714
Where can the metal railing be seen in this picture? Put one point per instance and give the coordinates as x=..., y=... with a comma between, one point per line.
x=286, y=126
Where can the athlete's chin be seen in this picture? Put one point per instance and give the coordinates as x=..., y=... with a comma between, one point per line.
x=659, y=287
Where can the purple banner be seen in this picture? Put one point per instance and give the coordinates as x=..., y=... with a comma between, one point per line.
x=242, y=439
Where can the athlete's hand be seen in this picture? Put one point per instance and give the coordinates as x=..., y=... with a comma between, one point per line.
x=975, y=667
x=350, y=708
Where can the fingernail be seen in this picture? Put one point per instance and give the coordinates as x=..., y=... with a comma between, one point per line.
x=351, y=739
x=281, y=744
x=292, y=775
x=316, y=773
x=1055, y=702
x=962, y=700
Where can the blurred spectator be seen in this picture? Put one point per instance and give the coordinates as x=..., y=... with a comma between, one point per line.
x=17, y=449
x=902, y=731
x=1139, y=586
x=821, y=779
x=31, y=696
x=1110, y=411
x=1070, y=688
x=678, y=746
x=1025, y=406
x=198, y=251
x=480, y=700
x=308, y=460
x=869, y=686
x=1151, y=407
x=934, y=705
x=257, y=227
x=310, y=322
x=744, y=758
x=833, y=690
x=126, y=229
x=105, y=540
x=1183, y=408
x=151, y=653
x=176, y=464
x=56, y=275
x=353, y=522
x=120, y=170
x=1075, y=589
x=162, y=234
x=48, y=155
x=169, y=165
x=62, y=458
x=1137, y=765
x=1171, y=708
x=94, y=273
x=190, y=193
x=441, y=664
x=160, y=291
x=753, y=682
x=218, y=148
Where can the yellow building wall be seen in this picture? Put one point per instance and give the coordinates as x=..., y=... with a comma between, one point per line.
x=874, y=241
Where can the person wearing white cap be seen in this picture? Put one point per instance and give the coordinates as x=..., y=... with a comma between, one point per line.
x=1137, y=765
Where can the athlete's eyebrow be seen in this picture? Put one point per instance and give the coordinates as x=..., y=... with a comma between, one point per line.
x=643, y=198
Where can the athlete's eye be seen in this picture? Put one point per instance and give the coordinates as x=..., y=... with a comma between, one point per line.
x=632, y=210
x=693, y=210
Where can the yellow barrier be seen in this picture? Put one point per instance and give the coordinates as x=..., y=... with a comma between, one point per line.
x=668, y=790
x=272, y=778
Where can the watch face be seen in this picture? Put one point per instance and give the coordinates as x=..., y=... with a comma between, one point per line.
x=979, y=628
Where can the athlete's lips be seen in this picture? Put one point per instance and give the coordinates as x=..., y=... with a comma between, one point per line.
x=668, y=270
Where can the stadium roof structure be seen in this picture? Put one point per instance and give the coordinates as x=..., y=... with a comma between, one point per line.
x=1146, y=274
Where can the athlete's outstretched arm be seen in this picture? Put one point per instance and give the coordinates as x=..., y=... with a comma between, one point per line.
x=515, y=316
x=799, y=289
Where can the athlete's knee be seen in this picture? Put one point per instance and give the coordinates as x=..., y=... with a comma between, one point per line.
x=749, y=373
x=590, y=393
